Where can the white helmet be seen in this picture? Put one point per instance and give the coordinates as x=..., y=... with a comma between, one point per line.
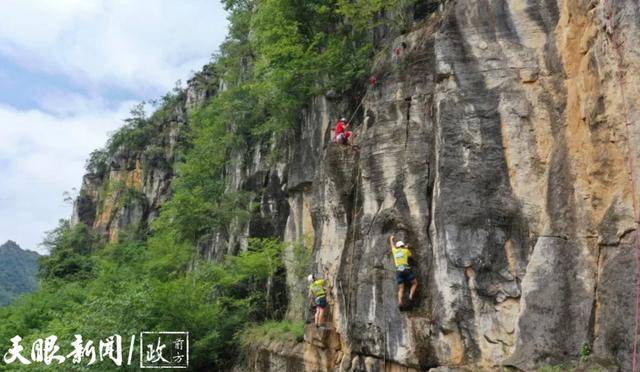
x=343, y=119
x=310, y=278
x=399, y=244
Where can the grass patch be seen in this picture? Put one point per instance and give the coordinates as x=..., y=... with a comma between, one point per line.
x=266, y=332
x=556, y=368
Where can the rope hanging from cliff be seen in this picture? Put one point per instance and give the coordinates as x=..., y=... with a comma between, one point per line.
x=356, y=110
x=631, y=164
x=373, y=81
x=353, y=236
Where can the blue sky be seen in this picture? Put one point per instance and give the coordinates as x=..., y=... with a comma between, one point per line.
x=70, y=71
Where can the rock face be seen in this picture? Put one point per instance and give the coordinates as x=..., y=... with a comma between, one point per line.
x=129, y=187
x=495, y=143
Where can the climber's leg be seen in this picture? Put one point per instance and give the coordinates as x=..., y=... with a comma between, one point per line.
x=410, y=279
x=321, y=305
x=400, y=280
x=315, y=316
x=412, y=291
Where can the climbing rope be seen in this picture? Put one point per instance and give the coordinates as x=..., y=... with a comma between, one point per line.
x=356, y=212
x=356, y=110
x=630, y=163
x=351, y=274
x=353, y=236
x=373, y=83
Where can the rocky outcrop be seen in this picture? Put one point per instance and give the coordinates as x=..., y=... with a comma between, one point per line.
x=495, y=143
x=129, y=184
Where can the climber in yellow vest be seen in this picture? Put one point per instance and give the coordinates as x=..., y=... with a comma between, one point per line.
x=317, y=293
x=404, y=274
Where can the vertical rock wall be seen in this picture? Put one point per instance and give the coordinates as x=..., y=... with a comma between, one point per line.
x=495, y=145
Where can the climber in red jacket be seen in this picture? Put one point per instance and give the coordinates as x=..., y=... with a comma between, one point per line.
x=342, y=135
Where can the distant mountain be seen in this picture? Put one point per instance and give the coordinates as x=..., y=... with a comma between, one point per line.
x=18, y=268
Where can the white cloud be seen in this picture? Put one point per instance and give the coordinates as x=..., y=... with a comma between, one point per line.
x=42, y=156
x=109, y=48
x=136, y=45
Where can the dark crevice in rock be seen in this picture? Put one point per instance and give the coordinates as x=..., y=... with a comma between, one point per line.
x=422, y=9
x=592, y=317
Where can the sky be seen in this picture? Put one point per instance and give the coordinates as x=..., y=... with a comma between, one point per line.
x=70, y=71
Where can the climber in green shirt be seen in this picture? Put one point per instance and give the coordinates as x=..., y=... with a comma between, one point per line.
x=404, y=274
x=317, y=293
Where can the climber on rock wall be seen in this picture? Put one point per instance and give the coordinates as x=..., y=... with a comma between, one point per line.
x=404, y=274
x=319, y=298
x=342, y=135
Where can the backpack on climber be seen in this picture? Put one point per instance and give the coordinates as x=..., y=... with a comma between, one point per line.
x=404, y=274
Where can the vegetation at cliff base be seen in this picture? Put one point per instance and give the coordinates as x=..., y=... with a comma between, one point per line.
x=213, y=301
x=284, y=330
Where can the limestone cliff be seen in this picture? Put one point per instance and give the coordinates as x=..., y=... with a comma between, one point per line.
x=127, y=184
x=495, y=143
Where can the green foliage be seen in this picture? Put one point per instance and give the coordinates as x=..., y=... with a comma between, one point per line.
x=554, y=368
x=585, y=351
x=134, y=135
x=280, y=53
x=97, y=163
x=268, y=331
x=298, y=261
x=214, y=302
x=362, y=14
x=142, y=135
x=18, y=270
x=200, y=206
x=69, y=248
x=367, y=14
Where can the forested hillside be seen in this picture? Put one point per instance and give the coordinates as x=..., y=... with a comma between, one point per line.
x=18, y=270
x=495, y=138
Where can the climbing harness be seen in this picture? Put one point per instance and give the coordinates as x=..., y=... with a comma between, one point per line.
x=611, y=29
